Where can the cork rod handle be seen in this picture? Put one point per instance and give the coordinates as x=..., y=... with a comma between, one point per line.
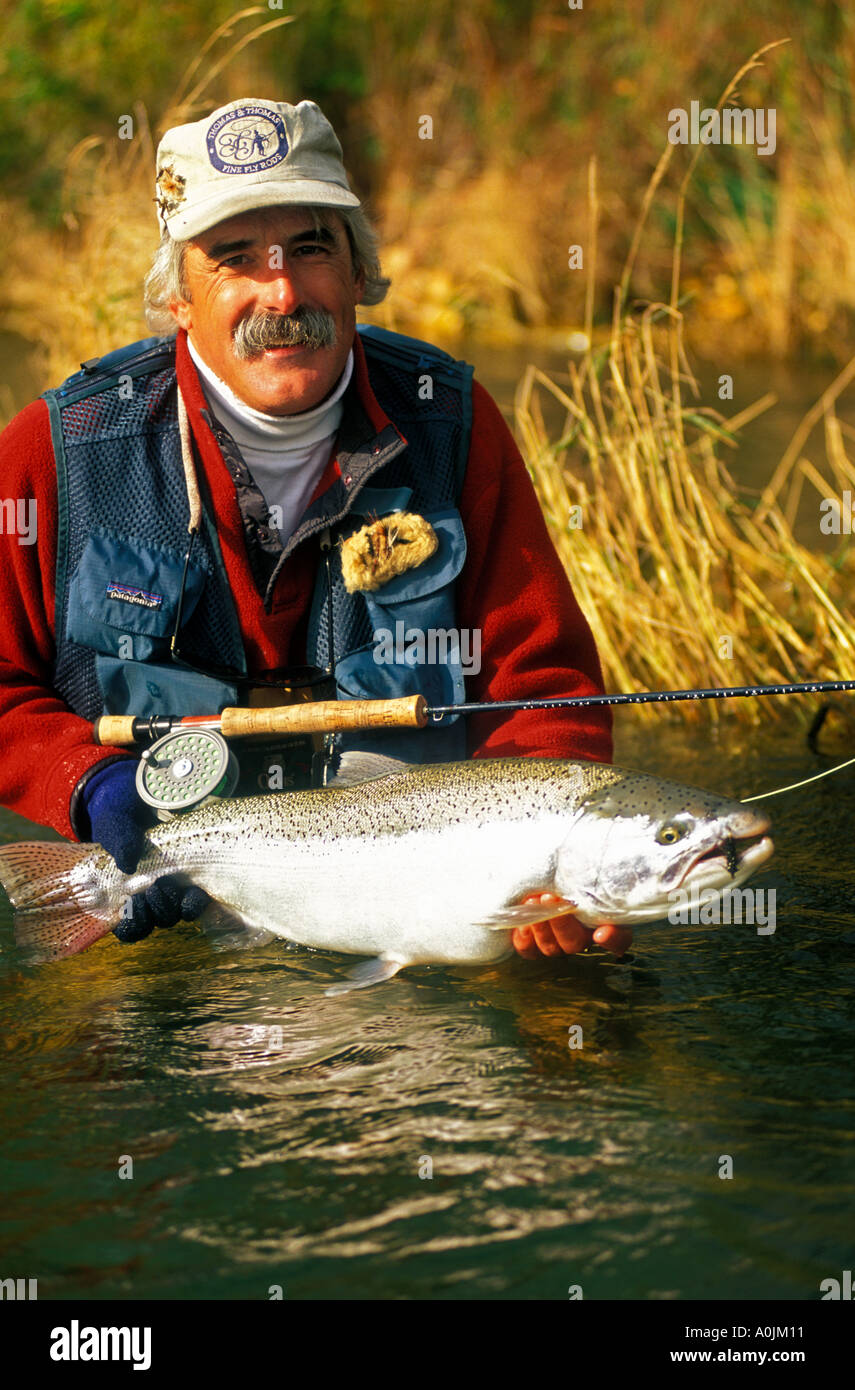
x=325, y=716
x=114, y=730
x=322, y=716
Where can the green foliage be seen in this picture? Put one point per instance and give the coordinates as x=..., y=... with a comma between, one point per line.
x=511, y=85
x=71, y=68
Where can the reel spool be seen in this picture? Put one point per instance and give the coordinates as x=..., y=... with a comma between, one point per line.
x=185, y=769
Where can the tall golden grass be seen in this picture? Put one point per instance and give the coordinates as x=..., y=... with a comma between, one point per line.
x=684, y=581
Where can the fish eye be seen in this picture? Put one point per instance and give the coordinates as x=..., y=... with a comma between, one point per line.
x=670, y=834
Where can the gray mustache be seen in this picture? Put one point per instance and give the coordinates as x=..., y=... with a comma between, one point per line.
x=314, y=328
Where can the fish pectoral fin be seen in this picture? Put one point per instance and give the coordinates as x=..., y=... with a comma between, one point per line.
x=368, y=972
x=527, y=914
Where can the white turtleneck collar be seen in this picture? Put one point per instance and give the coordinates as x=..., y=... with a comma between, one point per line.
x=286, y=454
x=274, y=434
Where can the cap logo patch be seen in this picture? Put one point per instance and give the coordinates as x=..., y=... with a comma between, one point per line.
x=247, y=139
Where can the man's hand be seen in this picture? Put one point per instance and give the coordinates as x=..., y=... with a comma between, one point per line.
x=162, y=905
x=565, y=936
x=118, y=820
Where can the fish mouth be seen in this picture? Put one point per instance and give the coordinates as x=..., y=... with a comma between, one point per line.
x=731, y=858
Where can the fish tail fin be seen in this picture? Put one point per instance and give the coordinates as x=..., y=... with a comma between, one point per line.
x=60, y=906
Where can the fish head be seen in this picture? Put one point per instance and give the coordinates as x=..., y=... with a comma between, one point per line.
x=640, y=839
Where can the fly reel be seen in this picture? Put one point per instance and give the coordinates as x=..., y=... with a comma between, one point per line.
x=185, y=769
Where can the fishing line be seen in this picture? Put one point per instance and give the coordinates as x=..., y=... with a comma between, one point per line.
x=793, y=785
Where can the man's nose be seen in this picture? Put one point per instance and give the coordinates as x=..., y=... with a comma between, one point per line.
x=281, y=294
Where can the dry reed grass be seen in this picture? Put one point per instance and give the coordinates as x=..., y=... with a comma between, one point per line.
x=685, y=582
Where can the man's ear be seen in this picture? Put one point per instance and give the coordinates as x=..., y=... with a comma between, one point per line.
x=359, y=286
x=182, y=311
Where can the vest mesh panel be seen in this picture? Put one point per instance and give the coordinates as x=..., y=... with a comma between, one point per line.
x=100, y=424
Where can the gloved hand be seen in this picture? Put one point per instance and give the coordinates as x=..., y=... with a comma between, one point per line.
x=118, y=819
x=162, y=905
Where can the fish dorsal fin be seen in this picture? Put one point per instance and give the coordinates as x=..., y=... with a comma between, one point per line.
x=356, y=767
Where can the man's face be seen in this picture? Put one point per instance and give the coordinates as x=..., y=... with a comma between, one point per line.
x=243, y=273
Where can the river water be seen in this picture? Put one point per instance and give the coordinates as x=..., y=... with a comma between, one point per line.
x=436, y=1136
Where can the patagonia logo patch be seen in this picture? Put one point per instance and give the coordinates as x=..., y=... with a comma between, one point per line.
x=129, y=593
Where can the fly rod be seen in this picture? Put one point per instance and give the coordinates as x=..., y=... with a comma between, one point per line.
x=411, y=711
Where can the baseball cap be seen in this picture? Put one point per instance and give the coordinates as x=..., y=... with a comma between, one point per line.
x=250, y=154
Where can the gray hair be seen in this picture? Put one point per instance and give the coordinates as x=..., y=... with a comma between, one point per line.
x=165, y=280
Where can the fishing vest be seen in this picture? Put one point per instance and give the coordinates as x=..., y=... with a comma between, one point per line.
x=122, y=540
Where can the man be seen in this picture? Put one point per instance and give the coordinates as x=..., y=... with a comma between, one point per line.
x=211, y=511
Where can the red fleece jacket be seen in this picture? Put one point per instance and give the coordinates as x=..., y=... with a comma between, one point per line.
x=534, y=639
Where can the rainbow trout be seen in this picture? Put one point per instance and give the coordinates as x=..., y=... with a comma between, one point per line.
x=424, y=864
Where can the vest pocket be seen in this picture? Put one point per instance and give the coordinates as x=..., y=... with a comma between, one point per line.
x=415, y=646
x=123, y=596
x=438, y=572
x=382, y=672
x=144, y=688
x=379, y=501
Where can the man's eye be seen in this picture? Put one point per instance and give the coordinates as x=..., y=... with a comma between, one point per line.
x=312, y=247
x=235, y=259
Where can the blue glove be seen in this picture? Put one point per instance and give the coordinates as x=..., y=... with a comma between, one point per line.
x=118, y=820
x=118, y=817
